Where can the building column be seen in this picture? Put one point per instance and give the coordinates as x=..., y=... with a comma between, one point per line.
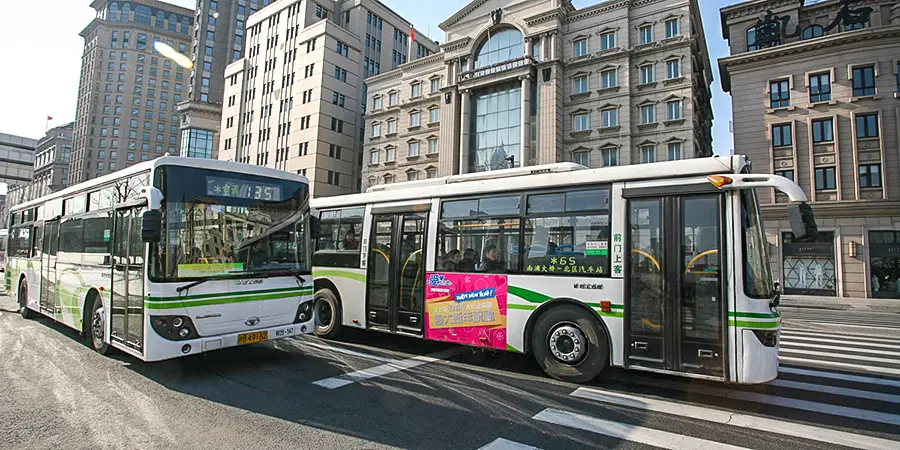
x=554, y=38
x=525, y=128
x=465, y=106
x=529, y=47
x=470, y=63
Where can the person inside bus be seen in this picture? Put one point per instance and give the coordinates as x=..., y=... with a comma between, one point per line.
x=350, y=242
x=492, y=261
x=468, y=262
x=450, y=262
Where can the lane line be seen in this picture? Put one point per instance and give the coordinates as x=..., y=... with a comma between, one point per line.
x=633, y=433
x=505, y=444
x=735, y=419
x=822, y=362
x=838, y=336
x=774, y=400
x=832, y=347
x=839, y=376
x=847, y=392
x=791, y=340
x=867, y=325
x=838, y=355
x=348, y=352
x=384, y=369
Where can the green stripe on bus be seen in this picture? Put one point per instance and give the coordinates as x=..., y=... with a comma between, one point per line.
x=510, y=348
x=611, y=314
x=226, y=294
x=340, y=274
x=754, y=315
x=522, y=307
x=612, y=305
x=758, y=325
x=223, y=301
x=528, y=296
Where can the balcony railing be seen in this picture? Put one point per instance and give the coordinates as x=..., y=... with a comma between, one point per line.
x=494, y=68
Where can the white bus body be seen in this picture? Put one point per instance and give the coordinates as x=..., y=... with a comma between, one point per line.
x=660, y=267
x=229, y=264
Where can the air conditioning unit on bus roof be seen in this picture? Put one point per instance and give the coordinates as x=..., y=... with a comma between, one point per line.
x=482, y=176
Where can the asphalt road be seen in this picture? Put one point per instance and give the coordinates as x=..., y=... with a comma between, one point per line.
x=377, y=391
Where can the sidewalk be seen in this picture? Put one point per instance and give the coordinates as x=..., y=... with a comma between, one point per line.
x=886, y=305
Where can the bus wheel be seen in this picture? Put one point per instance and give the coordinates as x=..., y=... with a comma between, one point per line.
x=328, y=314
x=97, y=326
x=23, y=302
x=569, y=345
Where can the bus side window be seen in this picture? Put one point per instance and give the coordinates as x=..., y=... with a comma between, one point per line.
x=338, y=242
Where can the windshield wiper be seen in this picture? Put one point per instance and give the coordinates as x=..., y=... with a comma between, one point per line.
x=181, y=289
x=276, y=273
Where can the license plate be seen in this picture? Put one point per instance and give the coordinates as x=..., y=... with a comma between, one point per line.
x=249, y=338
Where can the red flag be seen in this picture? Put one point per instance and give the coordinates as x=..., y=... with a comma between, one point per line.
x=49, y=118
x=412, y=33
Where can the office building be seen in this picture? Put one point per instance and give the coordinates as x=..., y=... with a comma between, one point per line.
x=540, y=82
x=218, y=40
x=816, y=98
x=128, y=92
x=16, y=169
x=51, y=161
x=294, y=101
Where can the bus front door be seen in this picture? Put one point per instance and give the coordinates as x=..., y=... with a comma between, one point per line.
x=128, y=279
x=49, y=299
x=675, y=300
x=396, y=273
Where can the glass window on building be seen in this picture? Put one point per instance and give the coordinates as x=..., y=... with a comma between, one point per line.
x=863, y=81
x=789, y=174
x=884, y=264
x=646, y=34
x=808, y=268
x=779, y=94
x=823, y=130
x=870, y=175
x=648, y=154
x=825, y=179
x=197, y=143
x=866, y=126
x=820, y=87
x=503, y=45
x=496, y=121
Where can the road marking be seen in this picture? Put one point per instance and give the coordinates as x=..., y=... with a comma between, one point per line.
x=838, y=336
x=505, y=444
x=838, y=355
x=839, y=376
x=735, y=419
x=345, y=351
x=832, y=347
x=791, y=341
x=867, y=326
x=384, y=369
x=847, y=392
x=773, y=400
x=634, y=433
x=871, y=369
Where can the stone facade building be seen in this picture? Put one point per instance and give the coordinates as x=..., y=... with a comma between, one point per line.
x=294, y=101
x=51, y=161
x=128, y=91
x=816, y=95
x=16, y=170
x=532, y=82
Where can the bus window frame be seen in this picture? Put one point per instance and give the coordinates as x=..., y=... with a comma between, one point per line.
x=341, y=258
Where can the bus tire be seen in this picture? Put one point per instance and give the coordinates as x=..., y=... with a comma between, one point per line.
x=96, y=326
x=327, y=314
x=23, y=301
x=569, y=344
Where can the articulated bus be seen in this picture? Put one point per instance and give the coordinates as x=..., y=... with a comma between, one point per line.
x=169, y=257
x=661, y=267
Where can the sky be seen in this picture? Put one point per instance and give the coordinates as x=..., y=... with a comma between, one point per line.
x=42, y=58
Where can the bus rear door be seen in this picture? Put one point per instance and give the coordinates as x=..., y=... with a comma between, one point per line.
x=675, y=299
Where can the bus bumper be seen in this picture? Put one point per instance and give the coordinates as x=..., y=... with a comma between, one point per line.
x=759, y=363
x=162, y=349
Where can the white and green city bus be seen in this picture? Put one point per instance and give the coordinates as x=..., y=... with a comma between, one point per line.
x=169, y=257
x=661, y=267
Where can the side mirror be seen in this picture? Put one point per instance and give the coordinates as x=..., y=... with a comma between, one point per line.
x=803, y=223
x=151, y=226
x=315, y=227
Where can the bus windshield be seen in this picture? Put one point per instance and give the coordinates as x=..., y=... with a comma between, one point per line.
x=757, y=272
x=227, y=224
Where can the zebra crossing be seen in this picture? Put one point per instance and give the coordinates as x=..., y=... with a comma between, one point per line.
x=804, y=408
x=866, y=319
x=873, y=355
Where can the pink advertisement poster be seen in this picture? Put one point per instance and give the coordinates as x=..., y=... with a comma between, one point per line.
x=467, y=309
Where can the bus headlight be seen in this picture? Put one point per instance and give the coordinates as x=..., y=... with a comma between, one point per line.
x=174, y=328
x=304, y=312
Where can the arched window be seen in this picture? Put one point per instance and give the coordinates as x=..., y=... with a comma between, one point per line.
x=501, y=46
x=185, y=26
x=812, y=31
x=114, y=12
x=160, y=20
x=126, y=12
x=142, y=15
x=173, y=23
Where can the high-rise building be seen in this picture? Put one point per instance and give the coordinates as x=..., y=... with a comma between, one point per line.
x=614, y=83
x=815, y=91
x=16, y=169
x=218, y=40
x=51, y=160
x=293, y=101
x=128, y=91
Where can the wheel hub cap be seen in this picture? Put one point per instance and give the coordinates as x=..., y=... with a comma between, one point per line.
x=97, y=325
x=323, y=313
x=567, y=343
